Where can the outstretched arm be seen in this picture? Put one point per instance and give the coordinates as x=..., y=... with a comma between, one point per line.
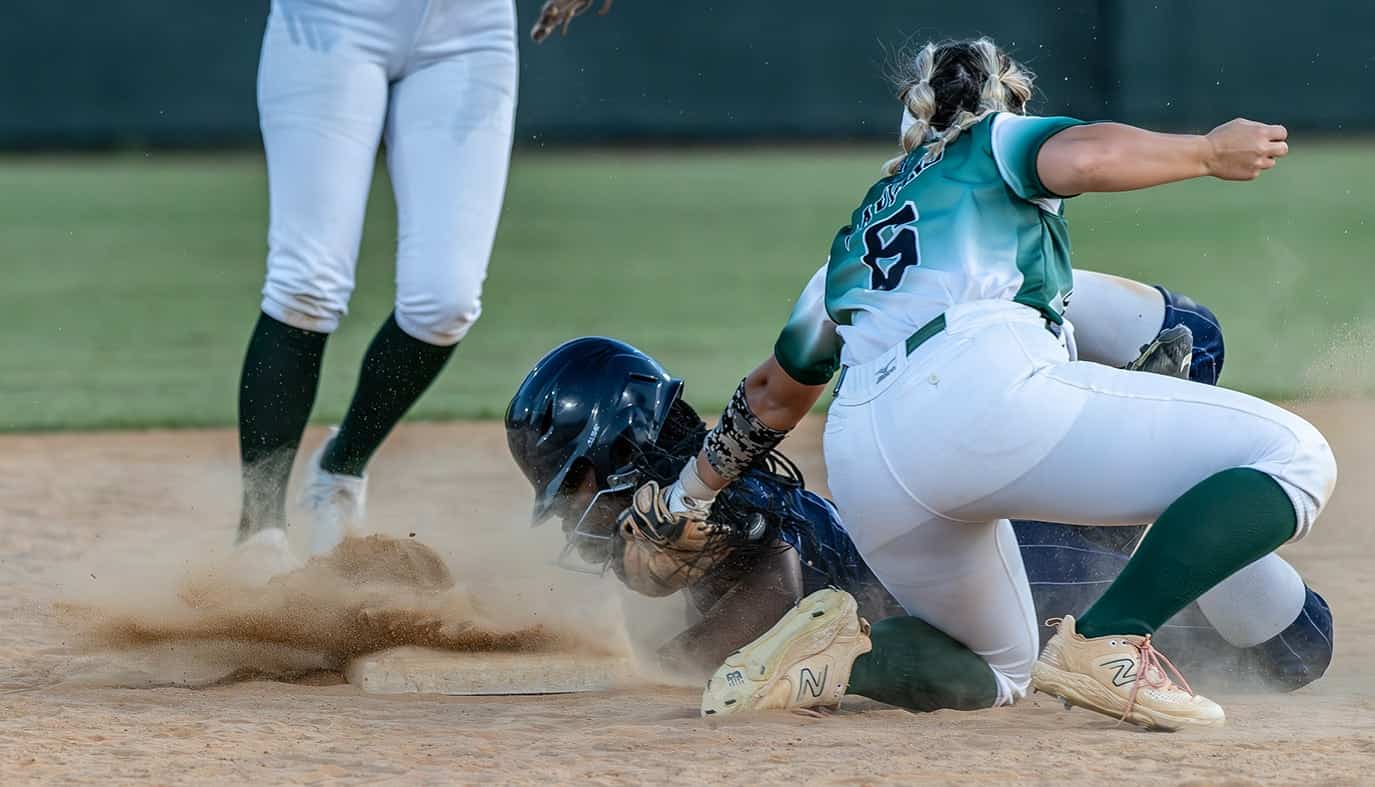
x=775, y=399
x=1115, y=157
x=765, y=407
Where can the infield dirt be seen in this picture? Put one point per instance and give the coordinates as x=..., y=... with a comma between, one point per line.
x=129, y=654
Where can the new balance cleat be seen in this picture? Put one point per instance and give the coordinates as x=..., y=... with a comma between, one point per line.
x=1122, y=676
x=804, y=661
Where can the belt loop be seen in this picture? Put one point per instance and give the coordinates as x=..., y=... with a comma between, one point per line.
x=925, y=332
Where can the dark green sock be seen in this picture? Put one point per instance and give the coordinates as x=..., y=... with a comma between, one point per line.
x=916, y=666
x=1223, y=524
x=396, y=371
x=281, y=373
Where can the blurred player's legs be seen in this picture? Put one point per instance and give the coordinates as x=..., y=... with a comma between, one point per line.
x=448, y=139
x=440, y=79
x=449, y=171
x=322, y=103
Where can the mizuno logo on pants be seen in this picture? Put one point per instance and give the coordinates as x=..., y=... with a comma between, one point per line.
x=885, y=371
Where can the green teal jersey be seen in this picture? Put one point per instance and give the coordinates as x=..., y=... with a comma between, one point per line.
x=974, y=224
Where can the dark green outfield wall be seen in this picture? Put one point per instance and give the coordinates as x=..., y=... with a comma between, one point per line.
x=129, y=72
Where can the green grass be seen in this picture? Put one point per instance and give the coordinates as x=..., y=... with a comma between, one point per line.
x=128, y=284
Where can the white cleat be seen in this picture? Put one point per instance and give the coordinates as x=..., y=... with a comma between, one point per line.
x=337, y=503
x=262, y=556
x=804, y=661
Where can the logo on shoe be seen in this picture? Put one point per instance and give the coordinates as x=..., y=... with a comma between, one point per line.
x=1126, y=671
x=809, y=682
x=735, y=679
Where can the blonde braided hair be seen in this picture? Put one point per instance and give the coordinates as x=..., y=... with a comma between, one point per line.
x=949, y=87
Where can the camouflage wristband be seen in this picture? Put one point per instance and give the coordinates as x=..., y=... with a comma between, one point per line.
x=740, y=439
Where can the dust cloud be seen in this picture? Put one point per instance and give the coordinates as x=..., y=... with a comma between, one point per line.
x=1345, y=367
x=204, y=624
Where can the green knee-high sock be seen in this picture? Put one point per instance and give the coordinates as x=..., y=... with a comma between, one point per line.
x=916, y=666
x=396, y=371
x=1223, y=524
x=281, y=372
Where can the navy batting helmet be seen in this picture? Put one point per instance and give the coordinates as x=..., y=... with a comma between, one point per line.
x=588, y=402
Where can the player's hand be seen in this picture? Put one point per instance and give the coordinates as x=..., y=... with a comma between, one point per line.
x=651, y=518
x=662, y=551
x=1242, y=149
x=558, y=14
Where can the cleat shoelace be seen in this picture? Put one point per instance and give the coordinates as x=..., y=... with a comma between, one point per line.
x=1151, y=668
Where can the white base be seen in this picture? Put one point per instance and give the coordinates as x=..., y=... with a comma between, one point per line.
x=411, y=670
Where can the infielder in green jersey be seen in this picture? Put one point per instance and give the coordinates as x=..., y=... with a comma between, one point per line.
x=961, y=405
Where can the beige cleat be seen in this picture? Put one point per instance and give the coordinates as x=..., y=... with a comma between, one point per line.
x=804, y=661
x=1121, y=676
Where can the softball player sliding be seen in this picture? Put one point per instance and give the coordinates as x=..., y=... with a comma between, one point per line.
x=960, y=406
x=435, y=80
x=777, y=541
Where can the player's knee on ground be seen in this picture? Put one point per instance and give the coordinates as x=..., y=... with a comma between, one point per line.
x=1020, y=684
x=1302, y=652
x=1307, y=471
x=1207, y=330
x=303, y=295
x=441, y=317
x=1012, y=669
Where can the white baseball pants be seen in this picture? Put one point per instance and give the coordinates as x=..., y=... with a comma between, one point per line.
x=928, y=456
x=437, y=80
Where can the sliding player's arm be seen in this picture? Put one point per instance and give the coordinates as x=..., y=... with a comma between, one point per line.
x=765, y=407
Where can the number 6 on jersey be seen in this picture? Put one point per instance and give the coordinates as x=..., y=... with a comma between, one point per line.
x=895, y=239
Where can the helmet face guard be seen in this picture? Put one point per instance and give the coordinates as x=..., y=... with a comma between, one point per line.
x=586, y=550
x=588, y=403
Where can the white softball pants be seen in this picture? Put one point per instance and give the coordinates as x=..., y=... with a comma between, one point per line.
x=928, y=457
x=437, y=80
